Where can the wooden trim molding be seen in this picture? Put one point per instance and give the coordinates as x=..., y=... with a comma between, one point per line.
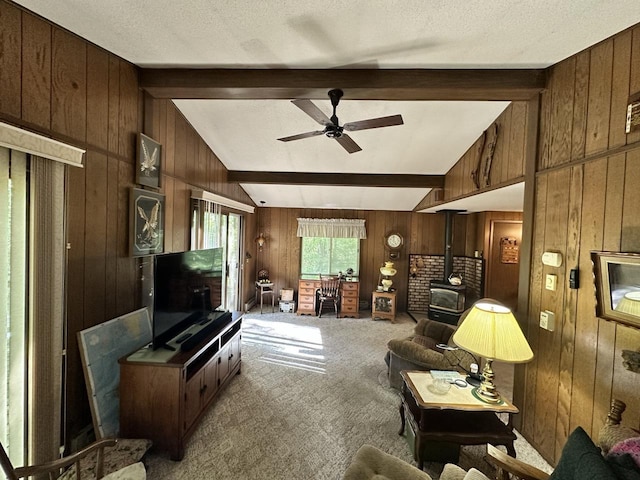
x=337, y=179
x=21, y=140
x=358, y=84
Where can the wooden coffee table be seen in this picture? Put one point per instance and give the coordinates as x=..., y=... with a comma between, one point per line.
x=437, y=424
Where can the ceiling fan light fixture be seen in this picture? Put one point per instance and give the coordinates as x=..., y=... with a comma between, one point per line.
x=333, y=131
x=332, y=127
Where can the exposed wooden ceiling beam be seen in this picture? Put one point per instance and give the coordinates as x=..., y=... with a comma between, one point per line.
x=337, y=179
x=358, y=84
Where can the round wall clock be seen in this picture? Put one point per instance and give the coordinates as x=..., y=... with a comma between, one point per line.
x=393, y=241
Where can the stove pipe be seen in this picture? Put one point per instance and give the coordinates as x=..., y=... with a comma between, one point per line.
x=448, y=242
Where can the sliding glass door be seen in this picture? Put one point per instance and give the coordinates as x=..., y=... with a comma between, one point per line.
x=13, y=302
x=212, y=227
x=234, y=237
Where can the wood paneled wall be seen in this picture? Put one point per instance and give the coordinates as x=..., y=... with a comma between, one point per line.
x=586, y=198
x=423, y=234
x=508, y=162
x=57, y=84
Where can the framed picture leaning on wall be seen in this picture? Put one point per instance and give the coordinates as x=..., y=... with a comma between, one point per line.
x=617, y=282
x=149, y=163
x=146, y=222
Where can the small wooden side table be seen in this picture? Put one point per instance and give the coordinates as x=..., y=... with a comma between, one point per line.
x=437, y=424
x=383, y=305
x=263, y=289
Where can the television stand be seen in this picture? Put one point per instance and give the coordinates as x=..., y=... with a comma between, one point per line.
x=163, y=396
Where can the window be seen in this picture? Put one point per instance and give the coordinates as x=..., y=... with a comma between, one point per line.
x=322, y=255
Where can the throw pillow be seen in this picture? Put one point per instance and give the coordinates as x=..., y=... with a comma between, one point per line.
x=135, y=471
x=629, y=446
x=425, y=341
x=452, y=471
x=126, y=452
x=581, y=459
x=474, y=474
x=609, y=435
x=623, y=466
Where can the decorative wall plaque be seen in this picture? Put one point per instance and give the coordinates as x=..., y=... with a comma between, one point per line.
x=509, y=250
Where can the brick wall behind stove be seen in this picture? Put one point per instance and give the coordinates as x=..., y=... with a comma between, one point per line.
x=471, y=269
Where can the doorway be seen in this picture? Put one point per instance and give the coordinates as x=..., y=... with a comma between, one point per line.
x=212, y=226
x=234, y=276
x=503, y=262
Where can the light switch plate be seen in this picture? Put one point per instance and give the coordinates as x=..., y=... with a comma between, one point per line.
x=553, y=259
x=550, y=282
x=547, y=320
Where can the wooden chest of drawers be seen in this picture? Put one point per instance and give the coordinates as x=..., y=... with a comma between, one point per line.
x=307, y=296
x=349, y=298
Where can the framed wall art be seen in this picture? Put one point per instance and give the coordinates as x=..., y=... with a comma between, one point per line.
x=617, y=277
x=147, y=222
x=148, y=171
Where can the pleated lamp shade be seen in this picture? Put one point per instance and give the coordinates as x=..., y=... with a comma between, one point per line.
x=491, y=331
x=630, y=304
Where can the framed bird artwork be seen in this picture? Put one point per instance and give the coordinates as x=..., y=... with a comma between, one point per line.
x=148, y=171
x=147, y=222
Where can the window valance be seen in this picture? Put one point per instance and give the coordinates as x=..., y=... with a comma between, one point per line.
x=332, y=228
x=23, y=141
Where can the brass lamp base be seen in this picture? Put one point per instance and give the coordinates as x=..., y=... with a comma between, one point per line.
x=487, y=390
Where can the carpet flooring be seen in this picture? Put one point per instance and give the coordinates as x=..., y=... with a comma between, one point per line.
x=311, y=392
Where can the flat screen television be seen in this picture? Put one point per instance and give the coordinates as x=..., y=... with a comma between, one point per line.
x=187, y=287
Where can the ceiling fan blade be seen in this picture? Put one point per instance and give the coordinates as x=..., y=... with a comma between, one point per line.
x=348, y=144
x=374, y=123
x=300, y=136
x=308, y=107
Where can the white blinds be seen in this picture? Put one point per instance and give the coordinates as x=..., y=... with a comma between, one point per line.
x=13, y=294
x=206, y=227
x=331, y=228
x=46, y=306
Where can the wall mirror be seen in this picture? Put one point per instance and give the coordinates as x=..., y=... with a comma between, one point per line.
x=617, y=277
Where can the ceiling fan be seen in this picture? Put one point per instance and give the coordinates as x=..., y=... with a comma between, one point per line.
x=332, y=128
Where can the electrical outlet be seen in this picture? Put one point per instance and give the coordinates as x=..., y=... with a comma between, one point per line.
x=550, y=282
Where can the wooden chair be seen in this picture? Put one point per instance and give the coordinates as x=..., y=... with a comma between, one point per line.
x=329, y=292
x=509, y=468
x=55, y=468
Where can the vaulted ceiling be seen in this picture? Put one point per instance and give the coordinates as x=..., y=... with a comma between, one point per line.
x=278, y=50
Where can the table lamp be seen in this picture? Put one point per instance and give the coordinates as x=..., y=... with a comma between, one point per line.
x=491, y=331
x=630, y=304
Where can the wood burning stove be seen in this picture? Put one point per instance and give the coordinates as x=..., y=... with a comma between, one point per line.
x=446, y=301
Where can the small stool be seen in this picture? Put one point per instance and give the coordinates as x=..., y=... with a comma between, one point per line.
x=263, y=289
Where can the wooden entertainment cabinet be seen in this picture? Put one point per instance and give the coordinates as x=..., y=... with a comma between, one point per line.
x=163, y=394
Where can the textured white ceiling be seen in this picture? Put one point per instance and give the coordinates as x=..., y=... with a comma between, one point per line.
x=330, y=34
